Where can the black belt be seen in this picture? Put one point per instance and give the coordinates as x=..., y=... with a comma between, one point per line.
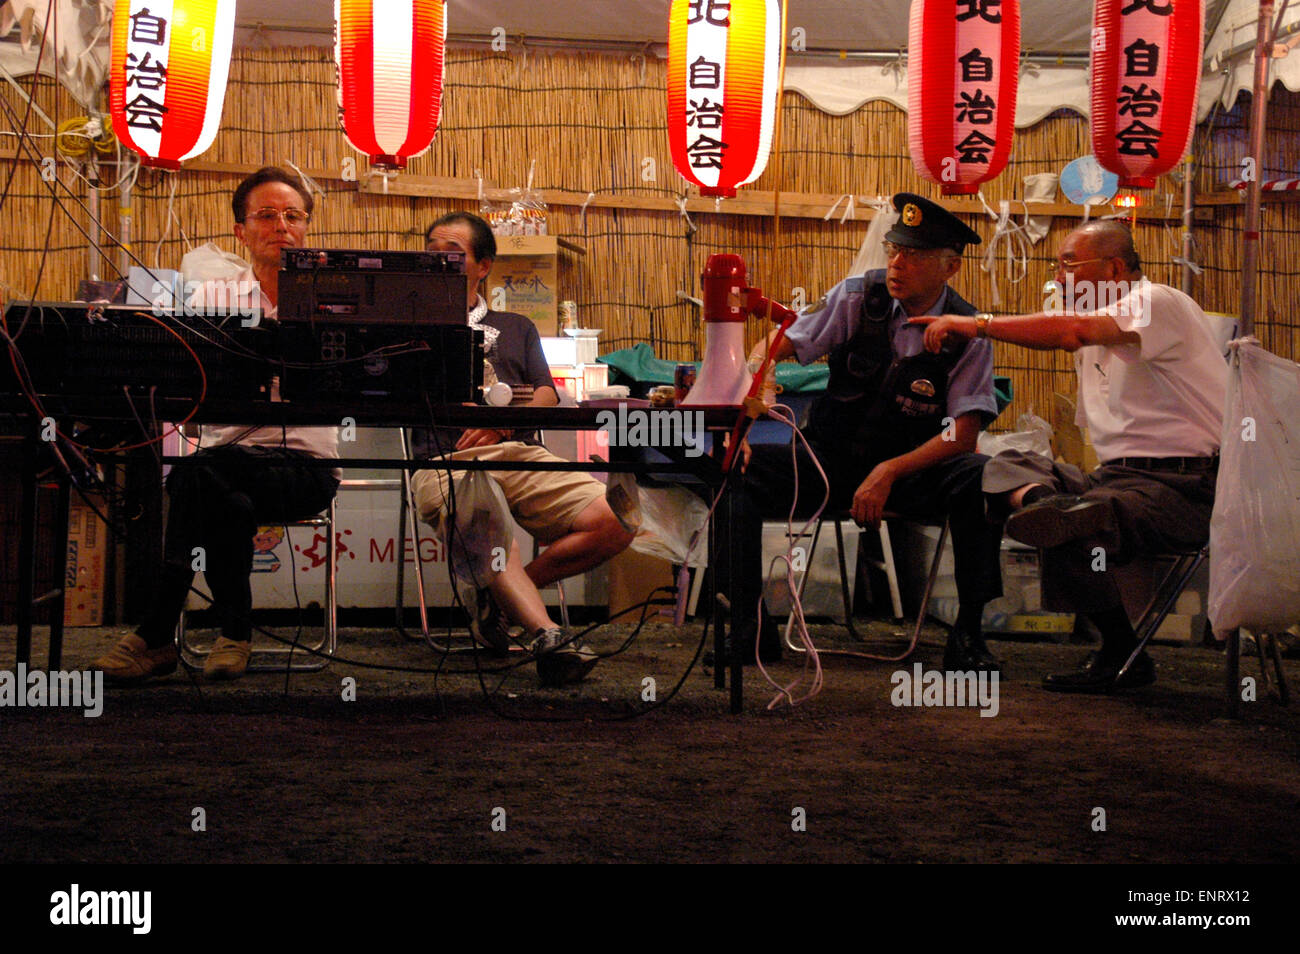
x=1178, y=465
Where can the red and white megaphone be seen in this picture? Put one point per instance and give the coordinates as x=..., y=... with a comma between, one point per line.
x=725, y=378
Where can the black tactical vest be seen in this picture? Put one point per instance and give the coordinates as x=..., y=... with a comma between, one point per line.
x=876, y=405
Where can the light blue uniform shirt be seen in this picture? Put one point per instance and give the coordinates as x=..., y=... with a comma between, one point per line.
x=835, y=319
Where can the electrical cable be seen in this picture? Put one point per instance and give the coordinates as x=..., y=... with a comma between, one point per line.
x=33, y=398
x=785, y=415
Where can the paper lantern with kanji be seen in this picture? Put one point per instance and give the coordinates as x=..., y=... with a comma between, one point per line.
x=963, y=65
x=390, y=61
x=167, y=77
x=1146, y=71
x=723, y=75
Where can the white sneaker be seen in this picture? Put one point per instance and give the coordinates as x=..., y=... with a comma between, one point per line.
x=561, y=658
x=487, y=624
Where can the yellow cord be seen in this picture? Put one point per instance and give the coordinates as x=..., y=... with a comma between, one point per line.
x=72, y=142
x=70, y=145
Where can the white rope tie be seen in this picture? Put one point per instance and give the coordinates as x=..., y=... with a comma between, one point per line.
x=681, y=207
x=850, y=208
x=1016, y=241
x=1179, y=260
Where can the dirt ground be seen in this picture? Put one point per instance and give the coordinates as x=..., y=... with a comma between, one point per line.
x=420, y=766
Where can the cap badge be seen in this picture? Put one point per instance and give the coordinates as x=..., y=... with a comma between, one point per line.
x=911, y=214
x=923, y=387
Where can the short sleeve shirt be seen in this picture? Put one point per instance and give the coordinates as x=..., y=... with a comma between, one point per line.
x=516, y=356
x=1162, y=396
x=835, y=320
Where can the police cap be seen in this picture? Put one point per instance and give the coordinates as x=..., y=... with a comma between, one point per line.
x=926, y=224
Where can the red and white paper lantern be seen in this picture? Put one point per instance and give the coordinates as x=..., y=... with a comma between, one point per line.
x=724, y=63
x=1146, y=72
x=390, y=60
x=963, y=66
x=167, y=77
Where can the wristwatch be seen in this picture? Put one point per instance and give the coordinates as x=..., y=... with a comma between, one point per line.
x=982, y=322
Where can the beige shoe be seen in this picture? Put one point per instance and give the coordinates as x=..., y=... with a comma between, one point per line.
x=131, y=660
x=228, y=659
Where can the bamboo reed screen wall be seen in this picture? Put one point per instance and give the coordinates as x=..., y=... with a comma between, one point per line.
x=591, y=123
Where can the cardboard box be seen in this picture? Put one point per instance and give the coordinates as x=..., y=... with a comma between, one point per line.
x=1068, y=440
x=524, y=279
x=87, y=551
x=1018, y=610
x=1137, y=582
x=633, y=577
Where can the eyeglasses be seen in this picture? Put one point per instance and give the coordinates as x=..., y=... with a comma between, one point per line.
x=1069, y=265
x=909, y=254
x=294, y=218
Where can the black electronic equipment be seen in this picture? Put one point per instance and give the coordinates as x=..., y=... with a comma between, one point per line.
x=359, y=260
x=373, y=286
x=98, y=352
x=340, y=361
x=88, y=350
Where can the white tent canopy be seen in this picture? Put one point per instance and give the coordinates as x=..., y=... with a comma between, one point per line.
x=873, y=37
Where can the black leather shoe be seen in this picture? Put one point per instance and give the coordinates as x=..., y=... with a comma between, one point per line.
x=967, y=652
x=1097, y=675
x=1059, y=519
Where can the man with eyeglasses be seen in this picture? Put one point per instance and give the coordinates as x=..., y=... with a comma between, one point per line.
x=1152, y=384
x=241, y=477
x=896, y=428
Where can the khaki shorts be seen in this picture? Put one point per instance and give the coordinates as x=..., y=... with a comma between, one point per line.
x=545, y=503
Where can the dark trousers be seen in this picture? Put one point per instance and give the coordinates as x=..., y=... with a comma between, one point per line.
x=1151, y=512
x=218, y=498
x=950, y=489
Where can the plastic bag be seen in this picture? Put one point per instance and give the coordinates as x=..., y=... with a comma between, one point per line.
x=872, y=255
x=1032, y=434
x=479, y=541
x=1255, y=528
x=1039, y=187
x=525, y=214
x=210, y=263
x=670, y=517
x=624, y=499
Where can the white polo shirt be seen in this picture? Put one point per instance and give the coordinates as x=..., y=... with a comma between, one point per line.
x=1163, y=397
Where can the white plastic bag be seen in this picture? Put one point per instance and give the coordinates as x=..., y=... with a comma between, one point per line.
x=872, y=255
x=210, y=263
x=624, y=499
x=670, y=517
x=1255, y=528
x=479, y=542
x=1039, y=187
x=1032, y=434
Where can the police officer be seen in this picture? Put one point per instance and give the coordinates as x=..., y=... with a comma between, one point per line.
x=896, y=428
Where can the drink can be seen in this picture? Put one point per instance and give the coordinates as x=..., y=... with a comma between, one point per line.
x=683, y=380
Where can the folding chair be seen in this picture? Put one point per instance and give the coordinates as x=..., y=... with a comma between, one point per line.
x=303, y=657
x=1184, y=566
x=407, y=519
